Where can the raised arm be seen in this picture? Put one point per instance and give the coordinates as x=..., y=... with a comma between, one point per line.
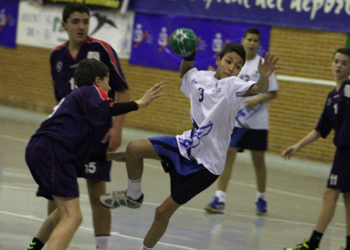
x=265, y=70
x=121, y=108
x=187, y=64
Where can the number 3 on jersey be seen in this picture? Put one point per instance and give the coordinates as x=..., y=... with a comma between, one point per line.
x=201, y=94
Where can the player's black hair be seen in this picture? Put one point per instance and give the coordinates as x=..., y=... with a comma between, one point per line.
x=74, y=7
x=87, y=71
x=252, y=31
x=345, y=51
x=233, y=47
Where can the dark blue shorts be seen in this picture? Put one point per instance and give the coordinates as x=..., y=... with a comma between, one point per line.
x=252, y=139
x=339, y=177
x=51, y=166
x=187, y=178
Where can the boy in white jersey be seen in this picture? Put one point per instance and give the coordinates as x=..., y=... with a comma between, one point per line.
x=251, y=129
x=196, y=158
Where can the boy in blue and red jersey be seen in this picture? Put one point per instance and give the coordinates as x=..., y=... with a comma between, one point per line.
x=64, y=139
x=64, y=60
x=336, y=116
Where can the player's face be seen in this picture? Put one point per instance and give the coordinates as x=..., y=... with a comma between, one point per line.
x=341, y=66
x=77, y=27
x=230, y=65
x=251, y=43
x=104, y=84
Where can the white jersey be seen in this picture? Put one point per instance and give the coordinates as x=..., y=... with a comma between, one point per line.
x=214, y=106
x=257, y=118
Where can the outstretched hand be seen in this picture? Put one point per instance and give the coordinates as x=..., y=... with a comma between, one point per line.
x=269, y=65
x=289, y=152
x=150, y=95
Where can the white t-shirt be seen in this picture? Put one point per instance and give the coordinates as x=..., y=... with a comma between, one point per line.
x=257, y=118
x=214, y=106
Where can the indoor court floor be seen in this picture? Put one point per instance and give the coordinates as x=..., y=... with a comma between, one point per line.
x=294, y=198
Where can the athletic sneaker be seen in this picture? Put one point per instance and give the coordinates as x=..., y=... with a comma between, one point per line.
x=261, y=207
x=119, y=198
x=302, y=246
x=215, y=206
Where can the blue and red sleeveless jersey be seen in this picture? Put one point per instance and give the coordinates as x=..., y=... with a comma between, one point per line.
x=63, y=65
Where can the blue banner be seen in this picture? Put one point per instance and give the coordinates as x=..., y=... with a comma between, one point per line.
x=8, y=23
x=150, y=46
x=331, y=15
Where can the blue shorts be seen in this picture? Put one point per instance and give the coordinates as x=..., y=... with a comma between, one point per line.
x=252, y=139
x=51, y=166
x=187, y=178
x=340, y=173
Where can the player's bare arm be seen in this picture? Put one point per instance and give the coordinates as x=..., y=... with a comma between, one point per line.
x=311, y=137
x=185, y=66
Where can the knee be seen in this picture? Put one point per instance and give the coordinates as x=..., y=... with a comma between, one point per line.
x=79, y=218
x=161, y=215
x=133, y=149
x=132, y=146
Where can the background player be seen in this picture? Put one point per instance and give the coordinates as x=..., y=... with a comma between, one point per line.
x=64, y=138
x=64, y=60
x=336, y=115
x=196, y=158
x=251, y=129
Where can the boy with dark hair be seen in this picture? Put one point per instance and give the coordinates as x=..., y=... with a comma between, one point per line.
x=196, y=158
x=63, y=61
x=250, y=130
x=335, y=115
x=66, y=138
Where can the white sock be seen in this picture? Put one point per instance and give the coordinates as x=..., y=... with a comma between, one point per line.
x=260, y=195
x=144, y=248
x=102, y=242
x=134, y=189
x=221, y=195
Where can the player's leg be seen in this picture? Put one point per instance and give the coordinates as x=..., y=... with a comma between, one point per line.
x=162, y=216
x=218, y=204
x=225, y=177
x=45, y=231
x=258, y=159
x=51, y=206
x=330, y=198
x=329, y=204
x=136, y=151
x=70, y=219
x=346, y=197
x=101, y=216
